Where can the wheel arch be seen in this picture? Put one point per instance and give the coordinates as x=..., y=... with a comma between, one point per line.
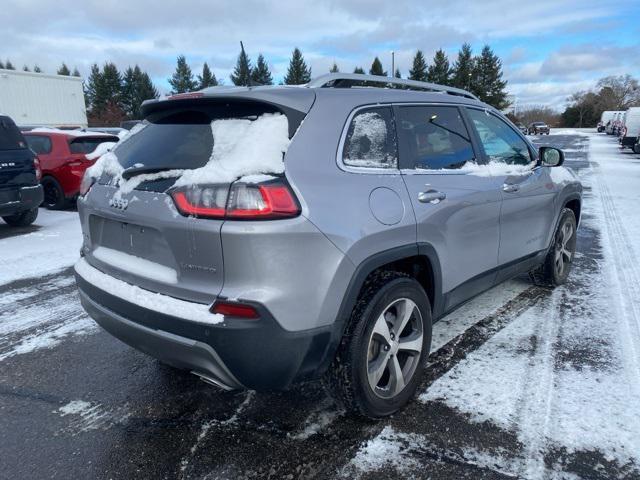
x=419, y=261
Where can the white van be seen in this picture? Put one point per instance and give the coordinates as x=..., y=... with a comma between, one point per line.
x=610, y=126
x=631, y=128
x=605, y=118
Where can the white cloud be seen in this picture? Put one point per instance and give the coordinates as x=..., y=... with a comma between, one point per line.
x=351, y=32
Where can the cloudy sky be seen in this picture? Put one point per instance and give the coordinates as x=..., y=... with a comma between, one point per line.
x=550, y=48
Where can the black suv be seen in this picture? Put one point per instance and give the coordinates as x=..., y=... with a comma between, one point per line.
x=20, y=190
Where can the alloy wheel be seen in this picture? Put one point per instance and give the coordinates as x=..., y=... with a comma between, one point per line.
x=394, y=348
x=564, y=251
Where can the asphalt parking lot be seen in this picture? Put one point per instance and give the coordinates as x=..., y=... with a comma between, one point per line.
x=523, y=382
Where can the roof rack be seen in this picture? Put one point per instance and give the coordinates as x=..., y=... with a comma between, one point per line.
x=348, y=80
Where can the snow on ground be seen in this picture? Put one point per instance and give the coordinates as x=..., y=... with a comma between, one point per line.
x=41, y=316
x=51, y=244
x=43, y=308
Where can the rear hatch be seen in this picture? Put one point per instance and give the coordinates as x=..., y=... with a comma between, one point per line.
x=16, y=161
x=135, y=232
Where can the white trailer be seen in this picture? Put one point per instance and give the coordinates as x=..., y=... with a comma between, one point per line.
x=45, y=100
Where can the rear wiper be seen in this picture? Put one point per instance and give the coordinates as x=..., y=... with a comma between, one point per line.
x=133, y=171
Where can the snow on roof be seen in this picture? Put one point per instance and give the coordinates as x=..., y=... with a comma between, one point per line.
x=71, y=133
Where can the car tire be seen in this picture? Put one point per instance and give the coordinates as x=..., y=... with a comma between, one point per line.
x=557, y=264
x=22, y=219
x=54, y=198
x=374, y=374
x=636, y=148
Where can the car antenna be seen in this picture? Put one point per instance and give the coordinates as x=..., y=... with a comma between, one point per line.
x=252, y=82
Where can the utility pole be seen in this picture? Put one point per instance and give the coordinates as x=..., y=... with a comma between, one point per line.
x=393, y=63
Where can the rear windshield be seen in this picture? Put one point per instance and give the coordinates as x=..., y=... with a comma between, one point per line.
x=88, y=144
x=10, y=136
x=180, y=140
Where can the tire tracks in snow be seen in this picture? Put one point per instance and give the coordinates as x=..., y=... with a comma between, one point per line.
x=40, y=313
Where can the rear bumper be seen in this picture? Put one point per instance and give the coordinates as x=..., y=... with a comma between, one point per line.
x=26, y=198
x=628, y=141
x=237, y=353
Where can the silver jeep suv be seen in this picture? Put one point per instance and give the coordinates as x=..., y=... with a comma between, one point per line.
x=263, y=236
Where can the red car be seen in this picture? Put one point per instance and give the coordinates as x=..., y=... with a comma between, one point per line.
x=62, y=155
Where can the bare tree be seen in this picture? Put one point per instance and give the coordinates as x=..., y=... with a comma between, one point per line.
x=538, y=113
x=619, y=93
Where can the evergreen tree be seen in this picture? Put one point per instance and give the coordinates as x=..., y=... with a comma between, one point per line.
x=182, y=79
x=75, y=73
x=64, y=70
x=92, y=88
x=488, y=84
x=136, y=88
x=462, y=70
x=37, y=69
x=145, y=91
x=242, y=72
x=25, y=69
x=1, y=64
x=128, y=92
x=207, y=79
x=397, y=73
x=9, y=65
x=298, y=73
x=261, y=74
x=334, y=68
x=110, y=85
x=376, y=68
x=418, y=70
x=358, y=70
x=440, y=71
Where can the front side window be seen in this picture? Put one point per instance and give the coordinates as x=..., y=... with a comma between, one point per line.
x=371, y=140
x=433, y=138
x=500, y=142
x=40, y=144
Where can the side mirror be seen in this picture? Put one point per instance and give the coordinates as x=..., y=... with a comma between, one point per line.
x=551, y=157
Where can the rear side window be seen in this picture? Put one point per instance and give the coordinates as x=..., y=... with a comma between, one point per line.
x=500, y=142
x=40, y=144
x=88, y=144
x=433, y=138
x=10, y=136
x=371, y=140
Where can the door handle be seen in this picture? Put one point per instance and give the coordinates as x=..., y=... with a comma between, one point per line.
x=431, y=196
x=510, y=187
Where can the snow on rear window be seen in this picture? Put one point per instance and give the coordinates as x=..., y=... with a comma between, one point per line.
x=371, y=140
x=243, y=147
x=238, y=148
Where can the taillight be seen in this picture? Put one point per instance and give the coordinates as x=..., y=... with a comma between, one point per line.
x=262, y=202
x=242, y=201
x=38, y=169
x=234, y=309
x=207, y=201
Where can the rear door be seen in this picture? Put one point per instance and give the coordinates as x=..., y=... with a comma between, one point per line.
x=16, y=161
x=457, y=211
x=528, y=193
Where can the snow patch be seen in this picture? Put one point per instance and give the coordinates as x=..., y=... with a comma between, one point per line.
x=152, y=301
x=100, y=150
x=242, y=147
x=136, y=265
x=71, y=133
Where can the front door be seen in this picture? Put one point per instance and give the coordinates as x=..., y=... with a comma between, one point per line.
x=528, y=194
x=457, y=211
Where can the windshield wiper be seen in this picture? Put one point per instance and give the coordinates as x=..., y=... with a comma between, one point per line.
x=134, y=171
